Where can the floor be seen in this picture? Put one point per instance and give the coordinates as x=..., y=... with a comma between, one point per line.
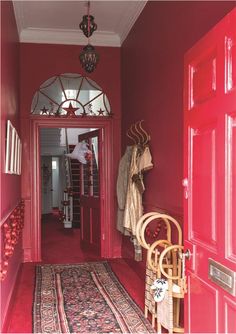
x=60, y=245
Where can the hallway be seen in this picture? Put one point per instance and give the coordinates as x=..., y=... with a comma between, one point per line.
x=172, y=68
x=60, y=245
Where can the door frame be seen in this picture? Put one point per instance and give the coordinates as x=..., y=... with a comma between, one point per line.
x=105, y=123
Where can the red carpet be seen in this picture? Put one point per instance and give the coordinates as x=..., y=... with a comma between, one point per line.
x=61, y=245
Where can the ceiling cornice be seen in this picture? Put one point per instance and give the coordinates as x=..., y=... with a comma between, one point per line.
x=69, y=37
x=128, y=20
x=19, y=15
x=76, y=37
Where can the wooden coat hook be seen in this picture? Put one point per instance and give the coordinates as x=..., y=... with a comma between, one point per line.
x=137, y=134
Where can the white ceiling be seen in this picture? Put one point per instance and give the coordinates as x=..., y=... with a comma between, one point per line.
x=57, y=22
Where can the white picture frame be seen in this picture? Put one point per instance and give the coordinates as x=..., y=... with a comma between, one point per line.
x=16, y=153
x=13, y=151
x=19, y=151
x=9, y=144
x=13, y=145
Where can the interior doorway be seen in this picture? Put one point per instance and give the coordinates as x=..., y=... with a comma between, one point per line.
x=70, y=100
x=69, y=172
x=106, y=185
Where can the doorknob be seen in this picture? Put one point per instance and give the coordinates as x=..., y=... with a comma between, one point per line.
x=185, y=255
x=185, y=185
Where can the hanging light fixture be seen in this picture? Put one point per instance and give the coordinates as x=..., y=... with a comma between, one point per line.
x=88, y=56
x=88, y=26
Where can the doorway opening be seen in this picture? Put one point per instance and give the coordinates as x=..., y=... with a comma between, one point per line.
x=106, y=167
x=70, y=187
x=66, y=101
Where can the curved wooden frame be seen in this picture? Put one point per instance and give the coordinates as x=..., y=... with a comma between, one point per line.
x=171, y=278
x=147, y=246
x=166, y=219
x=153, y=265
x=151, y=251
x=139, y=224
x=168, y=249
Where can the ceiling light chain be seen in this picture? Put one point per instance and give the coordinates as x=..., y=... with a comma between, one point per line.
x=88, y=56
x=89, y=21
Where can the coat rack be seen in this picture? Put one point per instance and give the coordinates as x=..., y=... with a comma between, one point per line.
x=137, y=134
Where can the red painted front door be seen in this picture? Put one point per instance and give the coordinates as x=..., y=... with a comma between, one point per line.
x=210, y=180
x=90, y=211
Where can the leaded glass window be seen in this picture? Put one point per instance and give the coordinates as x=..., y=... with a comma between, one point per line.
x=70, y=95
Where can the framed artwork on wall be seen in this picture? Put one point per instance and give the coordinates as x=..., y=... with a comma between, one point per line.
x=13, y=151
x=15, y=157
x=9, y=146
x=18, y=171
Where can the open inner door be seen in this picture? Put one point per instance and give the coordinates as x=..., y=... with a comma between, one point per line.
x=90, y=205
x=46, y=184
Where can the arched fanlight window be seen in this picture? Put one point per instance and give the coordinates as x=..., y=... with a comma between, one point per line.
x=70, y=95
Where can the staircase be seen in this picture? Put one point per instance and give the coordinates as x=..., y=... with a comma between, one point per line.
x=71, y=203
x=75, y=183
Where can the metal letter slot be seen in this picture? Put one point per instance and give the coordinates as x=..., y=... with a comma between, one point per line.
x=222, y=276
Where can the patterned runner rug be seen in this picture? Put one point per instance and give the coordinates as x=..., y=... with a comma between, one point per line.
x=84, y=298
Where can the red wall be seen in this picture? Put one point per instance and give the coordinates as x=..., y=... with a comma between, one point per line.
x=40, y=62
x=152, y=89
x=10, y=184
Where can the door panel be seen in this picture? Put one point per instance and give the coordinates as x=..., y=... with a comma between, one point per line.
x=229, y=312
x=203, y=79
x=210, y=173
x=202, y=149
x=203, y=311
x=90, y=195
x=46, y=184
x=230, y=196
